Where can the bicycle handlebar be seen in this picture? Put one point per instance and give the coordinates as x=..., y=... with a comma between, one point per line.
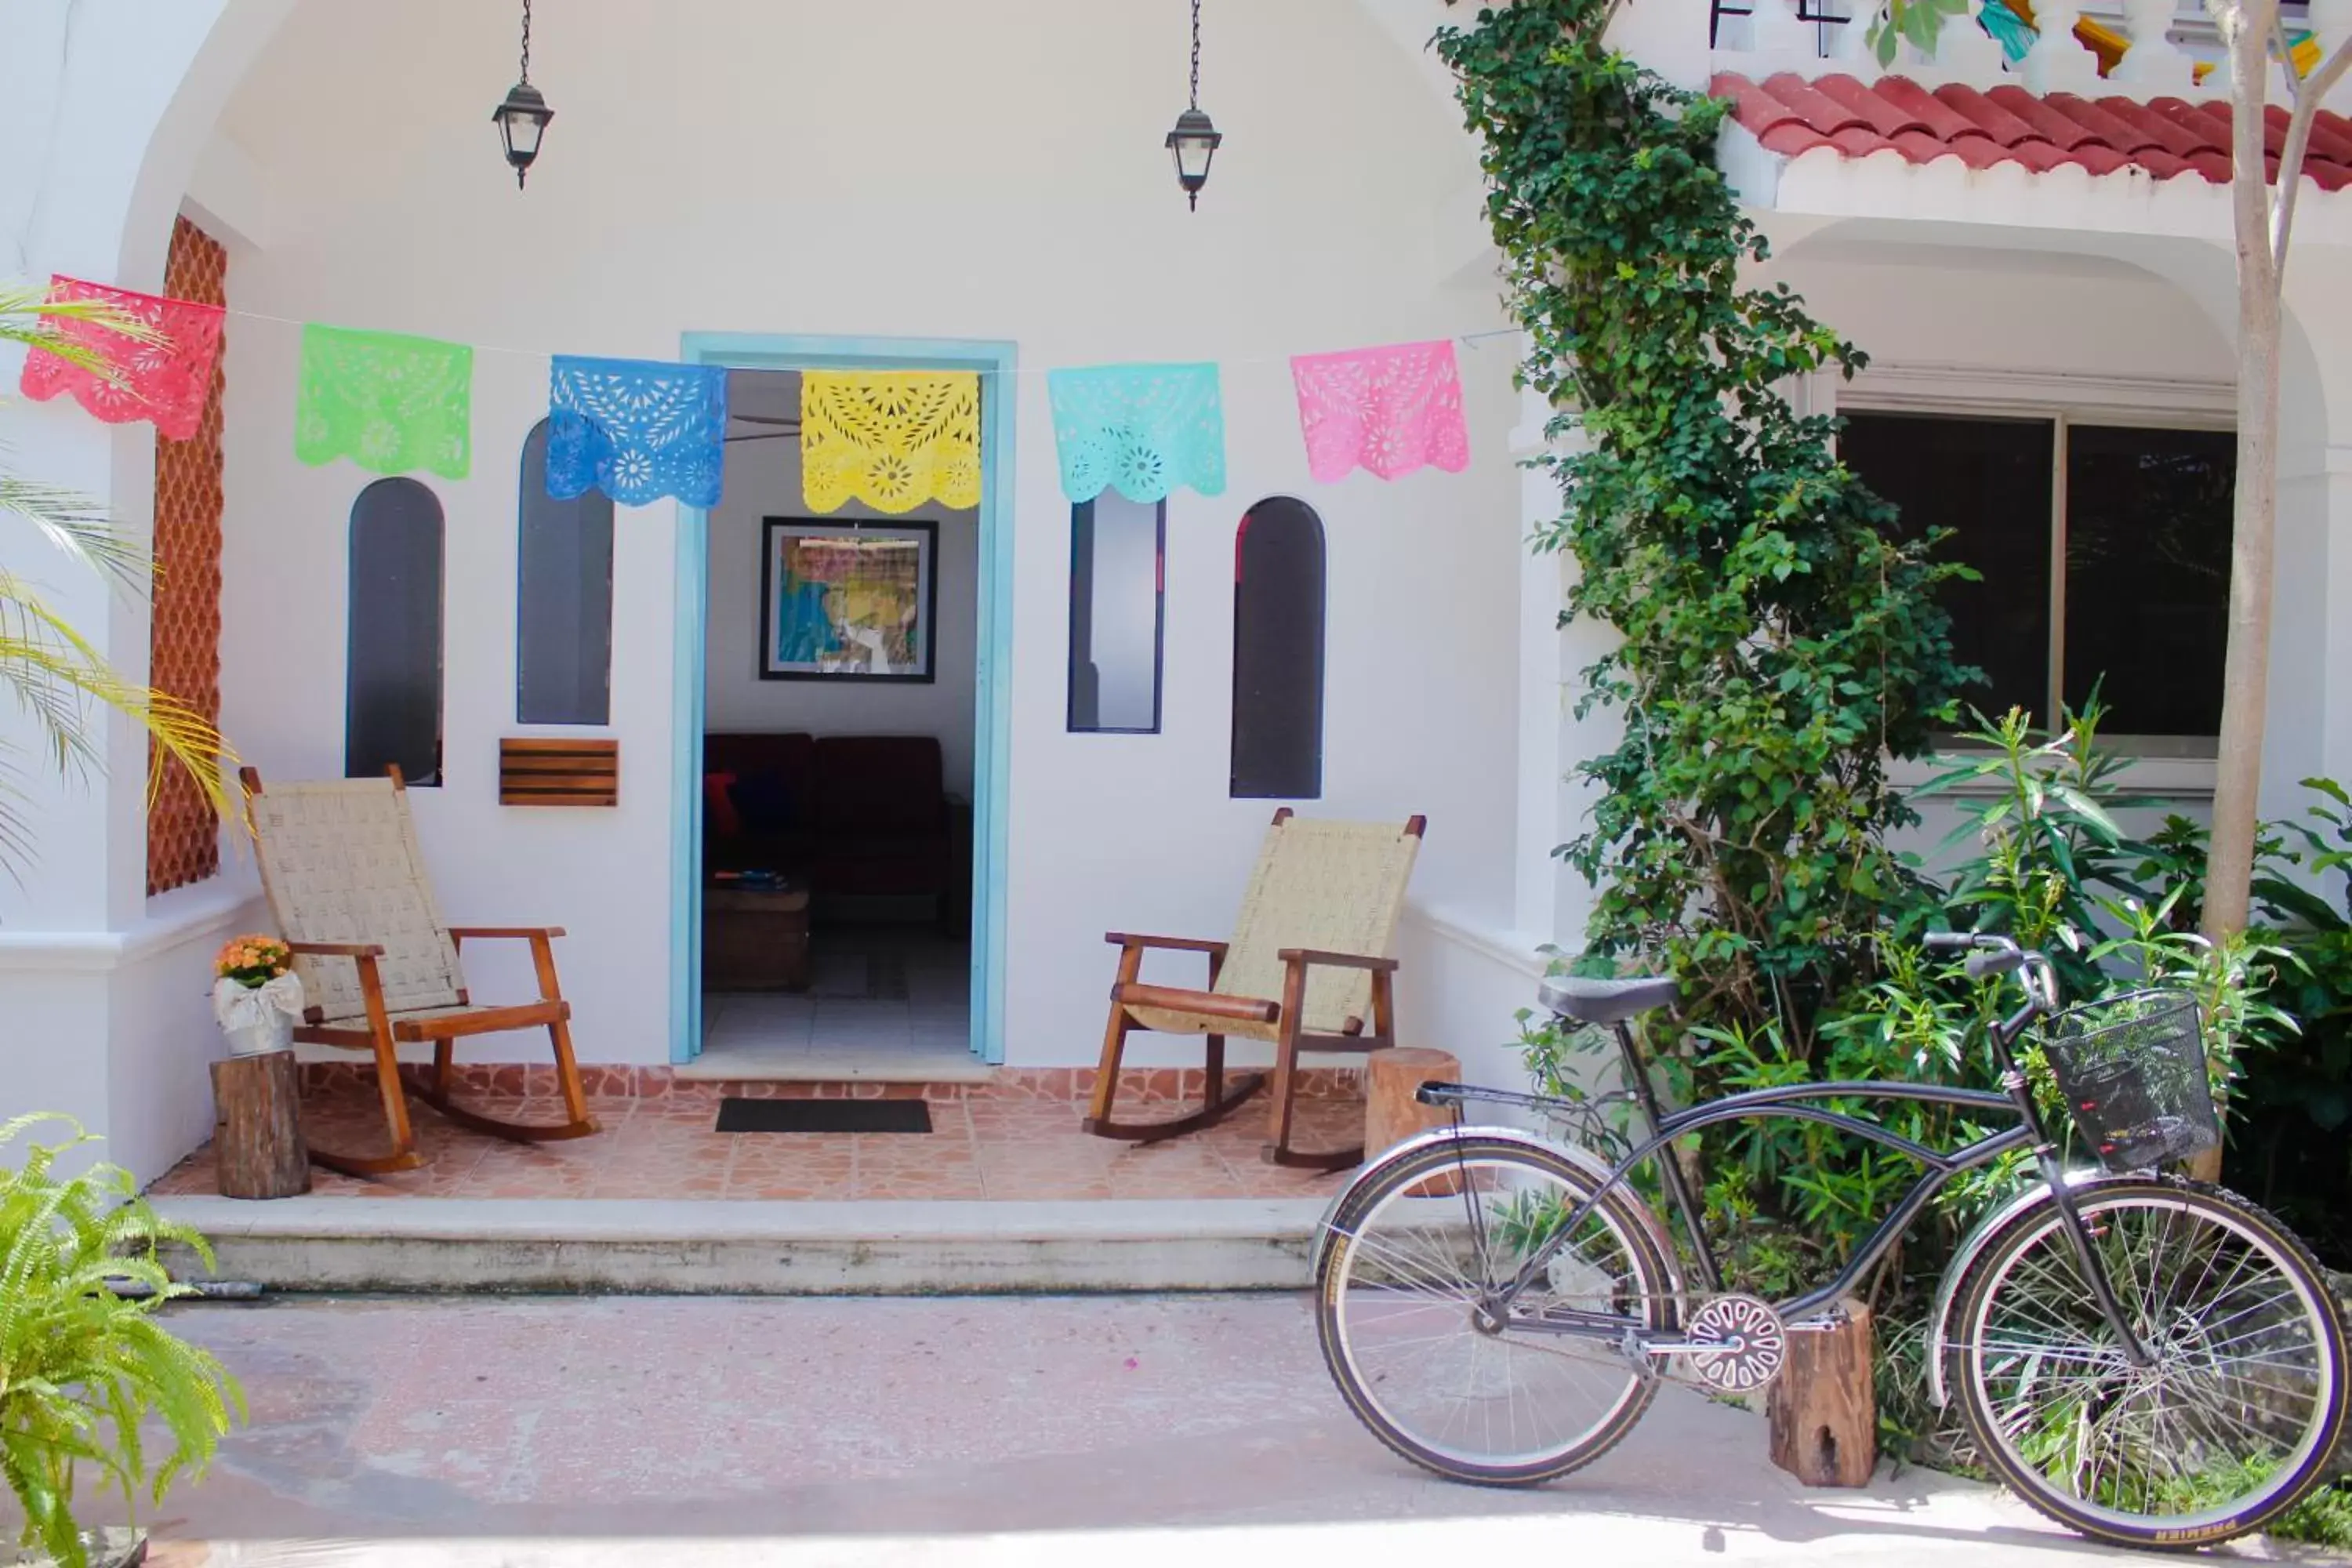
x=1986, y=963
x=1990, y=953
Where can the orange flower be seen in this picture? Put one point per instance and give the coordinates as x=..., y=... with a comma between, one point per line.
x=253, y=958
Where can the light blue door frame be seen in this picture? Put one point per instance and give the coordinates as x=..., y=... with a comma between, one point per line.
x=993, y=677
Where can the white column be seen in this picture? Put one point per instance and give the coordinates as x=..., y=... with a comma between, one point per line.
x=103, y=110
x=1964, y=48
x=2059, y=62
x=1551, y=899
x=2153, y=60
x=1535, y=896
x=2331, y=27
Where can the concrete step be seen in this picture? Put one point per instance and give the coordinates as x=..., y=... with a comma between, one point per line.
x=750, y=1249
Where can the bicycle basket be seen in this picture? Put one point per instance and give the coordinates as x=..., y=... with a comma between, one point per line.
x=2132, y=1069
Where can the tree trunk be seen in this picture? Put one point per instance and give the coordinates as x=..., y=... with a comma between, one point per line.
x=1824, y=1407
x=258, y=1149
x=2238, y=773
x=1391, y=1114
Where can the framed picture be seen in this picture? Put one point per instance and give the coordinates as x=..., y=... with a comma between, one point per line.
x=847, y=600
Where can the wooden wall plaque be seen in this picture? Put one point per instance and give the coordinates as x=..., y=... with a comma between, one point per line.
x=559, y=773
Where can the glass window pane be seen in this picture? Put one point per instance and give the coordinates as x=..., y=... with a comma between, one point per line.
x=2148, y=574
x=1278, y=653
x=1988, y=481
x=392, y=692
x=1116, y=614
x=563, y=619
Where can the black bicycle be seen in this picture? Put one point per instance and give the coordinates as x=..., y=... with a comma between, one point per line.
x=2145, y=1359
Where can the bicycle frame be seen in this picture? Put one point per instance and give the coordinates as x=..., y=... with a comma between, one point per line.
x=1815, y=1309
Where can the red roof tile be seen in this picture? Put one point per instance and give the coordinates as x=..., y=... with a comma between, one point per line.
x=2163, y=137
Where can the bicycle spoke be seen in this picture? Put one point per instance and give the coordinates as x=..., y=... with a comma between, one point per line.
x=2235, y=1391
x=1418, y=1278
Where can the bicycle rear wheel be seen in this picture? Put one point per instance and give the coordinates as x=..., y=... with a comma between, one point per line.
x=1415, y=1256
x=2235, y=1417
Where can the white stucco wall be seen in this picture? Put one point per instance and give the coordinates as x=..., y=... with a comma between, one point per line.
x=723, y=170
x=764, y=481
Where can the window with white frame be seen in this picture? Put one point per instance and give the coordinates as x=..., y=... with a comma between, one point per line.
x=2102, y=550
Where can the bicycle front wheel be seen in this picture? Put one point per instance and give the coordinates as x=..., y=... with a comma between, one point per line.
x=1406, y=1310
x=2236, y=1412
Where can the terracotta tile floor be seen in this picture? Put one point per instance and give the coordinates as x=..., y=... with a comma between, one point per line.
x=977, y=1148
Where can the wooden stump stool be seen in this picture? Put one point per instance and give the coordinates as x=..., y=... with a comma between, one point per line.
x=257, y=1148
x=1391, y=1114
x=1824, y=1407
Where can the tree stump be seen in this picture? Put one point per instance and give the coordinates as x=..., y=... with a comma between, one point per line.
x=1391, y=1114
x=1824, y=1407
x=257, y=1148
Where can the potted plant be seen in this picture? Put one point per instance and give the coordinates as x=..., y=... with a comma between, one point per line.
x=83, y=1360
x=256, y=995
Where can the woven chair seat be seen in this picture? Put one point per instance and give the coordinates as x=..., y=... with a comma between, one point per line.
x=1171, y=1021
x=419, y=1024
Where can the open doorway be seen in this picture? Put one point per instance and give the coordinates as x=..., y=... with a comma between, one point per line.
x=839, y=767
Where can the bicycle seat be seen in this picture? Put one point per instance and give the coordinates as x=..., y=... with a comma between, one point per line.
x=1607, y=1001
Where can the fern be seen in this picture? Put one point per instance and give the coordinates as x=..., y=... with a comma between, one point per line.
x=82, y=1367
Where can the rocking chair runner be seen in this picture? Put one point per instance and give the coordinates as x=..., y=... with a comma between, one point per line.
x=346, y=883
x=1305, y=969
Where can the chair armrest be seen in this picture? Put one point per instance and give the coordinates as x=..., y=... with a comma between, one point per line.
x=1309, y=957
x=1209, y=1003
x=335, y=949
x=1171, y=944
x=516, y=934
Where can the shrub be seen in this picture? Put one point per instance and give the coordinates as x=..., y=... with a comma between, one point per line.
x=81, y=1365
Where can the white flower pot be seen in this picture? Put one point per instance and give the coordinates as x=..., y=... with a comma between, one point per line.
x=275, y=1032
x=257, y=1019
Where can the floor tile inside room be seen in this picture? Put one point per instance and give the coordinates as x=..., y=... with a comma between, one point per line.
x=892, y=1003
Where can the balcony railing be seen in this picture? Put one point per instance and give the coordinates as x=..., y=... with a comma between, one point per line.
x=2136, y=48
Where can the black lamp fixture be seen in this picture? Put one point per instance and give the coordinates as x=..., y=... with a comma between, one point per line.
x=522, y=119
x=1195, y=139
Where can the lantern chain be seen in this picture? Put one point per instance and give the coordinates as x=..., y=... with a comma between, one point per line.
x=1196, y=50
x=526, y=42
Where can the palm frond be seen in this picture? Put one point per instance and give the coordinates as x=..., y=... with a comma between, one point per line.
x=55, y=674
x=29, y=317
x=77, y=526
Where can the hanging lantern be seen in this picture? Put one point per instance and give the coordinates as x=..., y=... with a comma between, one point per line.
x=1195, y=142
x=522, y=119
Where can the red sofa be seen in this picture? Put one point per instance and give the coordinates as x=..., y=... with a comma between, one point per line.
x=854, y=814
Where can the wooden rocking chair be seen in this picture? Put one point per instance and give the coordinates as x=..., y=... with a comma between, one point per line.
x=346, y=883
x=1306, y=969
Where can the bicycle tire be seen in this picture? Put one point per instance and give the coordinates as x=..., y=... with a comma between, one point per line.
x=2089, y=1407
x=1628, y=1225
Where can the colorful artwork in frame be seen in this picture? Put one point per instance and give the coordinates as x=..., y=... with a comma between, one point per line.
x=848, y=601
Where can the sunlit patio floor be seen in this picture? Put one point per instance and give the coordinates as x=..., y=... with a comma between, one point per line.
x=986, y=1142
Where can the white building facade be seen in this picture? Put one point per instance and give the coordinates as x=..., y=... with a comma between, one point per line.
x=783, y=186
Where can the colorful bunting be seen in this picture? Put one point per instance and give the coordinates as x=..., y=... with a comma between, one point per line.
x=893, y=439
x=388, y=401
x=636, y=429
x=1140, y=429
x=166, y=382
x=1390, y=409
x=643, y=429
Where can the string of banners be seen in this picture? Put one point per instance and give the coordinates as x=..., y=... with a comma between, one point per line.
x=641, y=430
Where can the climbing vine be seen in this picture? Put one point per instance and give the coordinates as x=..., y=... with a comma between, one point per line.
x=1779, y=639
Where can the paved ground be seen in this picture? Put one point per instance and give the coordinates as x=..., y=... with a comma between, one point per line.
x=1137, y=1431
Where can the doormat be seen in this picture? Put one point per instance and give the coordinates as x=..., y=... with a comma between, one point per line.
x=824, y=1116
